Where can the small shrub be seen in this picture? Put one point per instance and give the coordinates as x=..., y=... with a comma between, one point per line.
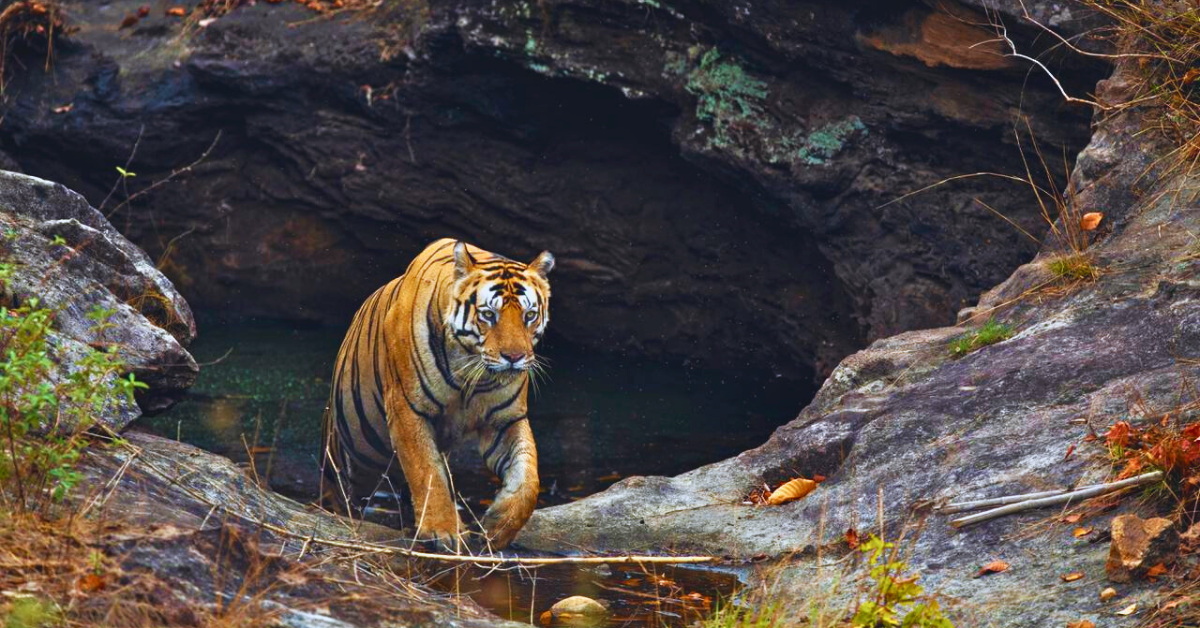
x=1077, y=267
x=991, y=333
x=31, y=612
x=895, y=598
x=39, y=452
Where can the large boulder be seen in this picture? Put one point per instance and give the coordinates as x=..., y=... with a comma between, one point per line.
x=192, y=520
x=711, y=176
x=65, y=254
x=903, y=426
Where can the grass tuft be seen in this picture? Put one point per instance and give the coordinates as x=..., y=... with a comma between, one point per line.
x=991, y=333
x=1074, y=267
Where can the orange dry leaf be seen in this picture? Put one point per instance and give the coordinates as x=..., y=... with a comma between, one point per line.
x=1071, y=577
x=852, y=538
x=996, y=566
x=609, y=478
x=1156, y=571
x=1090, y=221
x=1108, y=594
x=1070, y=450
x=91, y=582
x=177, y=11
x=1083, y=623
x=546, y=618
x=1072, y=518
x=1190, y=76
x=143, y=11
x=793, y=490
x=818, y=478
x=1128, y=610
x=1081, y=532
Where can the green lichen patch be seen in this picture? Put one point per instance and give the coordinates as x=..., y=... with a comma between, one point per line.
x=727, y=96
x=822, y=144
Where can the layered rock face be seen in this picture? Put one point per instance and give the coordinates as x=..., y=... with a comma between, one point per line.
x=712, y=176
x=902, y=426
x=64, y=253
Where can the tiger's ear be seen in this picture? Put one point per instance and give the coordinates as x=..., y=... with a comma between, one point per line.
x=543, y=263
x=463, y=262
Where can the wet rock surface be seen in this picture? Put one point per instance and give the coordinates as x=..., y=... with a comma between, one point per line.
x=164, y=527
x=66, y=255
x=663, y=151
x=901, y=427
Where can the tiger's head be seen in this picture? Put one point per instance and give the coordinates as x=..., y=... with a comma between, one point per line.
x=499, y=310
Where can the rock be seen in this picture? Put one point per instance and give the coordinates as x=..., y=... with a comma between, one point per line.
x=900, y=427
x=578, y=610
x=524, y=127
x=1138, y=545
x=159, y=522
x=91, y=266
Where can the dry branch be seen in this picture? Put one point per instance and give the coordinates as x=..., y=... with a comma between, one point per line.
x=1063, y=498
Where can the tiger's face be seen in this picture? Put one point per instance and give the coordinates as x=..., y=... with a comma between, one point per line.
x=499, y=311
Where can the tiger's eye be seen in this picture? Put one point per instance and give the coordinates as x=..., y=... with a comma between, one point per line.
x=530, y=315
x=487, y=315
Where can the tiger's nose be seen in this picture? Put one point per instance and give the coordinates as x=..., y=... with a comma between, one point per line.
x=513, y=358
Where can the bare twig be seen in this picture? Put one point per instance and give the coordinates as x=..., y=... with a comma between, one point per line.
x=174, y=173
x=1079, y=494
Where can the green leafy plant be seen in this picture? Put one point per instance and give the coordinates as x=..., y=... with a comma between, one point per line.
x=991, y=333
x=30, y=612
x=895, y=598
x=44, y=418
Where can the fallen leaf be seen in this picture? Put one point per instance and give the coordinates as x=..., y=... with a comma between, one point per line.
x=1190, y=76
x=1083, y=623
x=1071, y=577
x=996, y=566
x=1090, y=221
x=206, y=21
x=91, y=583
x=577, y=487
x=632, y=582
x=1173, y=603
x=177, y=11
x=1070, y=450
x=1108, y=594
x=852, y=538
x=1128, y=610
x=1072, y=518
x=129, y=20
x=143, y=11
x=818, y=478
x=1156, y=571
x=791, y=491
x=485, y=502
x=546, y=618
x=1081, y=532
x=609, y=478
x=64, y=108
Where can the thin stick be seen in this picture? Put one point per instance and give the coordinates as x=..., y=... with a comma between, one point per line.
x=1079, y=494
x=1000, y=501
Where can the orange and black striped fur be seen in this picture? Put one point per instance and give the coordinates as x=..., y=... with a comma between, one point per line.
x=441, y=354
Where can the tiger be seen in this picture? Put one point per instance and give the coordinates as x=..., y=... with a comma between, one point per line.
x=437, y=356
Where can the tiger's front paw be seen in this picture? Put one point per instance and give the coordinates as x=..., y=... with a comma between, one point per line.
x=506, y=517
x=446, y=532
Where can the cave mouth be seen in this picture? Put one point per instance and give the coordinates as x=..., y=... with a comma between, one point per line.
x=688, y=320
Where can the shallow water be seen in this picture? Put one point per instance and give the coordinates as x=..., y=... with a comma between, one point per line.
x=598, y=419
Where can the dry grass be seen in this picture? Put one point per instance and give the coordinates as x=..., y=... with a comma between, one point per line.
x=31, y=25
